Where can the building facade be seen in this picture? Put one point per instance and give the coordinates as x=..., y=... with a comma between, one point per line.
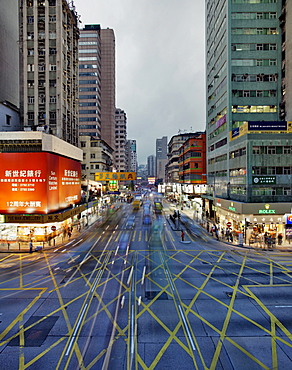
x=248, y=139
x=161, y=158
x=172, y=167
x=90, y=82
x=108, y=86
x=49, y=68
x=9, y=46
x=151, y=166
x=120, y=140
x=131, y=155
x=97, y=157
x=192, y=160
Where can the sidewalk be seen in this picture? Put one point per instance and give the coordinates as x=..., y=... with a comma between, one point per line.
x=285, y=247
x=55, y=243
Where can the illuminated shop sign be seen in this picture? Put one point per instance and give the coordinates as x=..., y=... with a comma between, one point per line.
x=267, y=126
x=288, y=219
x=108, y=176
x=232, y=209
x=38, y=183
x=267, y=211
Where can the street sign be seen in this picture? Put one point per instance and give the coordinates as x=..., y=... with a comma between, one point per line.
x=229, y=224
x=53, y=228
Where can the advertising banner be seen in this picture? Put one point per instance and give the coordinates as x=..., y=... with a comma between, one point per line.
x=38, y=183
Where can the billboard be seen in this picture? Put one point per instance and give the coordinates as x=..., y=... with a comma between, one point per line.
x=38, y=183
x=108, y=176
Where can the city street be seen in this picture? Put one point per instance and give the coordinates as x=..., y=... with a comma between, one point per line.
x=141, y=298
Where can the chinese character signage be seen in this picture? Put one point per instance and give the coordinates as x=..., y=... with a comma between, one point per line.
x=38, y=182
x=119, y=176
x=264, y=180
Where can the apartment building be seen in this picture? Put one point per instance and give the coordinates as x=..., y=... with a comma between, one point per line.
x=48, y=42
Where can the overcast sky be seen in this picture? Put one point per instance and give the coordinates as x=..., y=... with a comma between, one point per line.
x=160, y=64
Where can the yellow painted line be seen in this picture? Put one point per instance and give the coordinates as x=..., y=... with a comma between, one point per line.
x=20, y=315
x=274, y=345
x=227, y=319
x=140, y=236
x=20, y=272
x=134, y=235
x=21, y=343
x=64, y=312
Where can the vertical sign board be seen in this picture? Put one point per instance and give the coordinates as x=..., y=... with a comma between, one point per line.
x=38, y=182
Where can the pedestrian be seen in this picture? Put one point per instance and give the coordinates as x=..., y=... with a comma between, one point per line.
x=280, y=239
x=30, y=247
x=69, y=234
x=182, y=236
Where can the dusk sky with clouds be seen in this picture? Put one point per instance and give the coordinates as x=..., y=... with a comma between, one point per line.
x=160, y=64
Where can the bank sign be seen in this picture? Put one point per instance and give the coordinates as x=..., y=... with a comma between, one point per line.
x=258, y=180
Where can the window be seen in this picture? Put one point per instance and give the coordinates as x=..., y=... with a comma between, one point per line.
x=52, y=18
x=30, y=35
x=52, y=51
x=53, y=83
x=259, y=62
x=287, y=149
x=52, y=35
x=271, y=150
x=30, y=99
x=260, y=47
x=272, y=62
x=30, y=19
x=30, y=83
x=271, y=170
x=246, y=93
x=53, y=99
x=82, y=51
x=42, y=51
x=92, y=155
x=42, y=67
x=42, y=99
x=255, y=150
x=30, y=115
x=30, y=67
x=30, y=52
x=83, y=144
x=8, y=120
x=53, y=67
x=259, y=94
x=273, y=46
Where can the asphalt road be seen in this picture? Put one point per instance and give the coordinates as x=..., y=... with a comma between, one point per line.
x=140, y=298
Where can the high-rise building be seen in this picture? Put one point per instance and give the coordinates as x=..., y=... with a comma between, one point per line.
x=121, y=138
x=108, y=86
x=151, y=166
x=9, y=46
x=249, y=143
x=131, y=155
x=49, y=67
x=161, y=157
x=90, y=82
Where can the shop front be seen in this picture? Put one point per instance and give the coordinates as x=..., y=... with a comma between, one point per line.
x=43, y=231
x=258, y=223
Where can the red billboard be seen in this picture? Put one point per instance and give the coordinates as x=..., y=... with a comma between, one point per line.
x=38, y=182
